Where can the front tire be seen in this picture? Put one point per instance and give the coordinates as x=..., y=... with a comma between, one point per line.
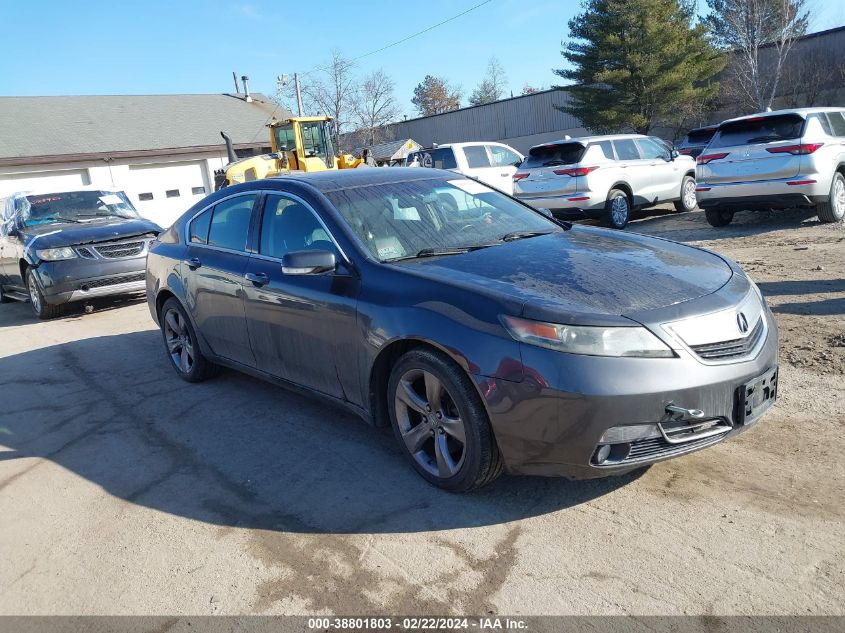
x=180, y=343
x=834, y=209
x=687, y=202
x=617, y=209
x=40, y=307
x=440, y=422
x=718, y=217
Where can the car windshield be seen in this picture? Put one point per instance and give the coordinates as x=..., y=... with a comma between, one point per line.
x=75, y=206
x=764, y=129
x=420, y=218
x=553, y=154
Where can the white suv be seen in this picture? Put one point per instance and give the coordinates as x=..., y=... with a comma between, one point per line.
x=492, y=163
x=605, y=177
x=775, y=160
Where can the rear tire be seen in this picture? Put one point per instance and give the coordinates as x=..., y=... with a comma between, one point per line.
x=181, y=345
x=718, y=217
x=617, y=209
x=40, y=307
x=833, y=210
x=440, y=422
x=687, y=201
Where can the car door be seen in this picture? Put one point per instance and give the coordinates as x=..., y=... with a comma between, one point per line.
x=11, y=246
x=479, y=165
x=664, y=173
x=505, y=162
x=634, y=170
x=301, y=326
x=214, y=276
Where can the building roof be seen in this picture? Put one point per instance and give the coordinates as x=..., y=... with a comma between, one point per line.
x=127, y=124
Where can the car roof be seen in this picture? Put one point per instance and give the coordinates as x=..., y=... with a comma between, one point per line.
x=589, y=139
x=333, y=180
x=801, y=111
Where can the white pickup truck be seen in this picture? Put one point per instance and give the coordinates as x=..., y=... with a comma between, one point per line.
x=491, y=163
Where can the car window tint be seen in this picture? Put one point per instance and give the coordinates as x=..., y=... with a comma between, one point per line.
x=288, y=226
x=606, y=148
x=837, y=123
x=476, y=156
x=553, y=154
x=199, y=228
x=759, y=129
x=230, y=223
x=626, y=149
x=503, y=157
x=651, y=150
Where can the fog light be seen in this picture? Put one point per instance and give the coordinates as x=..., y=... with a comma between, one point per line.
x=602, y=453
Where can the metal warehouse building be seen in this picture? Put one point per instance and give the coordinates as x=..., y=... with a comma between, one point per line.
x=161, y=149
x=521, y=122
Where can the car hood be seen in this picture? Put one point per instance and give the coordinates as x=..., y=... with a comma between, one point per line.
x=584, y=275
x=65, y=234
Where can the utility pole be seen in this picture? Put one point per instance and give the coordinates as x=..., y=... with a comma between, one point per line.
x=298, y=92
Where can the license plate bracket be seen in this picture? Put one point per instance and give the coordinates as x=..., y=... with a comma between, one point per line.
x=756, y=396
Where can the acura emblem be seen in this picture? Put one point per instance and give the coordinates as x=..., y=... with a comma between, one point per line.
x=742, y=322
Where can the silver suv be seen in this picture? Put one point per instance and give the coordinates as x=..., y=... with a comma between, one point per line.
x=605, y=177
x=775, y=160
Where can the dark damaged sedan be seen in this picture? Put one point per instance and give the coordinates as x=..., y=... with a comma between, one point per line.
x=489, y=336
x=64, y=246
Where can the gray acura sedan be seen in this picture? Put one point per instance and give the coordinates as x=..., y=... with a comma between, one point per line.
x=489, y=336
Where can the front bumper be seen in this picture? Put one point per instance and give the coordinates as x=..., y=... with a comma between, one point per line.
x=768, y=194
x=552, y=422
x=80, y=279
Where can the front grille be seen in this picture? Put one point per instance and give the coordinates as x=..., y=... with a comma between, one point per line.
x=733, y=348
x=112, y=281
x=657, y=447
x=85, y=252
x=114, y=250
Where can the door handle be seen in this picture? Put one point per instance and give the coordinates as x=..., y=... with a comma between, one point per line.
x=193, y=263
x=259, y=279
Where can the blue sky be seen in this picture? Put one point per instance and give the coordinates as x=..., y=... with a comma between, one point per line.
x=192, y=46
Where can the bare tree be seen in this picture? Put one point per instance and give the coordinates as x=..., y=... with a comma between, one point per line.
x=760, y=35
x=375, y=105
x=809, y=75
x=528, y=89
x=492, y=87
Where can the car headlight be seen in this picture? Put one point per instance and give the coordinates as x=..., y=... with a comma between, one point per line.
x=591, y=340
x=56, y=254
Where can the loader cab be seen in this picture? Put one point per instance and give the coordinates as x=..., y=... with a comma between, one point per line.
x=307, y=142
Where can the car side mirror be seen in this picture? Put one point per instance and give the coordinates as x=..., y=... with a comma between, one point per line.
x=308, y=263
x=674, y=154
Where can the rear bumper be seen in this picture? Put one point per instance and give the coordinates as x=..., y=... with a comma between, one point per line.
x=81, y=279
x=769, y=194
x=580, y=204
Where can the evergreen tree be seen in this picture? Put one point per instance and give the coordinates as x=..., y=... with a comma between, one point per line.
x=634, y=63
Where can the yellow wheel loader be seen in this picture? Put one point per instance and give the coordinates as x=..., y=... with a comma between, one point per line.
x=302, y=143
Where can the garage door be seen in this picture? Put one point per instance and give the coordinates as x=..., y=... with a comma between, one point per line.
x=163, y=191
x=55, y=179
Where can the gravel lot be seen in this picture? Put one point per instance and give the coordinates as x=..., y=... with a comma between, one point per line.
x=124, y=490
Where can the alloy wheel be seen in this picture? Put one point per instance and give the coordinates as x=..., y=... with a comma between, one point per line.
x=178, y=339
x=689, y=194
x=619, y=210
x=34, y=293
x=429, y=423
x=839, y=197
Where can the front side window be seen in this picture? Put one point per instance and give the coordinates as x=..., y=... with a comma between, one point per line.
x=626, y=149
x=503, y=157
x=285, y=139
x=401, y=219
x=651, y=150
x=288, y=226
x=230, y=223
x=476, y=156
x=74, y=206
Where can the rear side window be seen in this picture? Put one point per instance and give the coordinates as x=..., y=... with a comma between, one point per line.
x=606, y=148
x=230, y=223
x=626, y=149
x=476, y=156
x=764, y=129
x=554, y=154
x=199, y=228
x=837, y=123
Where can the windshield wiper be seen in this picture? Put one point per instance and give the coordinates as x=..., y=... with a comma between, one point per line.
x=438, y=252
x=551, y=163
x=56, y=218
x=518, y=235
